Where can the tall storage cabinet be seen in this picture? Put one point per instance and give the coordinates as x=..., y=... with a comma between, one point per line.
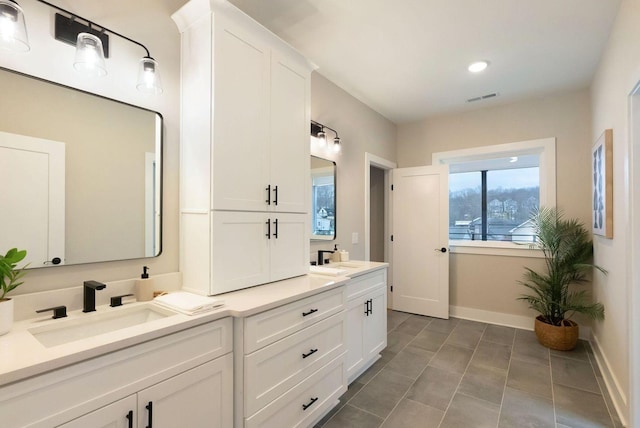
x=244, y=151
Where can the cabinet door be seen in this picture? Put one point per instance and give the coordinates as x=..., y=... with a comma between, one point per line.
x=116, y=415
x=240, y=253
x=355, y=336
x=241, y=118
x=201, y=397
x=289, y=144
x=290, y=248
x=375, y=334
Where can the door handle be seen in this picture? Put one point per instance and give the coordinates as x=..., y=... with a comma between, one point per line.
x=130, y=418
x=370, y=306
x=268, y=235
x=275, y=222
x=150, y=409
x=275, y=191
x=268, y=189
x=441, y=250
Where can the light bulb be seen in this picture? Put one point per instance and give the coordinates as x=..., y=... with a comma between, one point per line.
x=336, y=144
x=90, y=56
x=149, y=76
x=13, y=31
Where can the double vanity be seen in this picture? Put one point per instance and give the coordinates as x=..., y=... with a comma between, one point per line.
x=275, y=355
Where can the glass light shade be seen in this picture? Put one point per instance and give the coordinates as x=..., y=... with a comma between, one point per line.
x=336, y=144
x=149, y=77
x=13, y=31
x=90, y=56
x=322, y=136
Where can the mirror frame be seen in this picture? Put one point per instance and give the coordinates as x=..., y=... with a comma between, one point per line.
x=159, y=141
x=335, y=204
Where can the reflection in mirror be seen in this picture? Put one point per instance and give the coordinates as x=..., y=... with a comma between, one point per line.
x=323, y=199
x=82, y=174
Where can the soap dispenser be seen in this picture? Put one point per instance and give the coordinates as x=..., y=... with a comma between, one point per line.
x=335, y=257
x=144, y=286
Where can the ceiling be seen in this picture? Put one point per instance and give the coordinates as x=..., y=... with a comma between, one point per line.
x=408, y=59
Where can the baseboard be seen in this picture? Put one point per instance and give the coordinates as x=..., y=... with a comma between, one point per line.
x=618, y=397
x=500, y=318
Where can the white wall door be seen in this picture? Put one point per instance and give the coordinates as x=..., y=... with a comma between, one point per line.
x=116, y=415
x=420, y=253
x=33, y=171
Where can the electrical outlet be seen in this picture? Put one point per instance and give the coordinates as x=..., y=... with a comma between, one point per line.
x=354, y=238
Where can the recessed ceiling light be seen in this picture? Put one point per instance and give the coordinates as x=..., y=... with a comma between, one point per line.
x=478, y=66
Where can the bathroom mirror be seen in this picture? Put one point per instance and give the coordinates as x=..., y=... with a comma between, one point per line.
x=80, y=173
x=323, y=199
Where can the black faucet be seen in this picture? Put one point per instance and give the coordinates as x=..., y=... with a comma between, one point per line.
x=89, y=294
x=321, y=256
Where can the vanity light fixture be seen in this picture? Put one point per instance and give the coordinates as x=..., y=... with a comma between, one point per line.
x=478, y=66
x=91, y=42
x=318, y=131
x=13, y=31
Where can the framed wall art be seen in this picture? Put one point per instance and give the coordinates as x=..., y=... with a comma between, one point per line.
x=602, y=184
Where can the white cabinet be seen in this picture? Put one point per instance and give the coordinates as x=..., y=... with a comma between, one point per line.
x=196, y=398
x=290, y=362
x=366, y=321
x=256, y=248
x=187, y=377
x=244, y=147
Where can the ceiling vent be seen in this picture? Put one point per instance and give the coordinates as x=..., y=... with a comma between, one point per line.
x=483, y=97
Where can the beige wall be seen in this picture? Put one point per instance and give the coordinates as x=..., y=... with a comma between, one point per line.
x=148, y=21
x=361, y=130
x=618, y=73
x=490, y=282
x=377, y=218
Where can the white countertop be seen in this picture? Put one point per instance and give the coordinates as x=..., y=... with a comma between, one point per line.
x=22, y=355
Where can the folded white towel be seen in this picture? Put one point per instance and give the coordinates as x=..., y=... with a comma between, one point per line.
x=188, y=303
x=321, y=270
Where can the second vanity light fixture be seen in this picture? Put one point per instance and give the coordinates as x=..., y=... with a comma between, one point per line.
x=91, y=41
x=318, y=131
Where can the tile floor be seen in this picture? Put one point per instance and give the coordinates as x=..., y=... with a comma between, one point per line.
x=458, y=373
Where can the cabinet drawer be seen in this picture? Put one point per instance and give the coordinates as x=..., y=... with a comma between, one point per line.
x=304, y=403
x=362, y=284
x=267, y=327
x=274, y=369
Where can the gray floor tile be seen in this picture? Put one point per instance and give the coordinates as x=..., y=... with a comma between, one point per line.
x=607, y=399
x=397, y=340
x=466, y=412
x=526, y=348
x=579, y=353
x=429, y=340
x=484, y=383
x=475, y=325
x=465, y=336
x=372, y=371
x=382, y=394
x=452, y=358
x=410, y=362
x=395, y=318
x=574, y=373
x=442, y=326
x=492, y=355
x=521, y=409
x=351, y=391
x=435, y=387
x=413, y=325
x=499, y=334
x=410, y=413
x=578, y=409
x=352, y=417
x=530, y=377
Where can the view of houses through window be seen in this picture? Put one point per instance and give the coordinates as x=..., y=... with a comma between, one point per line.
x=493, y=205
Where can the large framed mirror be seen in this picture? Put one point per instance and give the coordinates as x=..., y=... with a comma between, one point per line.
x=323, y=199
x=81, y=174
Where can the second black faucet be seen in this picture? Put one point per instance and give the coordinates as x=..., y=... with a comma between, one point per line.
x=89, y=294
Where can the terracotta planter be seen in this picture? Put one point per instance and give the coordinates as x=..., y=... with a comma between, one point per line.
x=560, y=338
x=6, y=316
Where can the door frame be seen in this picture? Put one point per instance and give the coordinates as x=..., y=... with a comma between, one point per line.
x=386, y=165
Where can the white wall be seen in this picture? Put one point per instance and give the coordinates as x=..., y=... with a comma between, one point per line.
x=361, y=130
x=618, y=73
x=148, y=21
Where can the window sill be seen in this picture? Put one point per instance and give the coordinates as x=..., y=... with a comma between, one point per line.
x=489, y=248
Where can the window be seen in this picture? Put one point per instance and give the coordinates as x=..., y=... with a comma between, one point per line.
x=492, y=192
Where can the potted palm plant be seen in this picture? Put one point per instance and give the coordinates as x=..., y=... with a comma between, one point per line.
x=9, y=277
x=568, y=252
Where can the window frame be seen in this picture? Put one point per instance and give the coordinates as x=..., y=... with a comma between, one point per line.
x=546, y=149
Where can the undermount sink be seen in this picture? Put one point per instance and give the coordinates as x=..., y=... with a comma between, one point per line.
x=90, y=325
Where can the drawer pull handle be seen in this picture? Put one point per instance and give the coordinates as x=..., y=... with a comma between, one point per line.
x=306, y=406
x=311, y=352
x=312, y=311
